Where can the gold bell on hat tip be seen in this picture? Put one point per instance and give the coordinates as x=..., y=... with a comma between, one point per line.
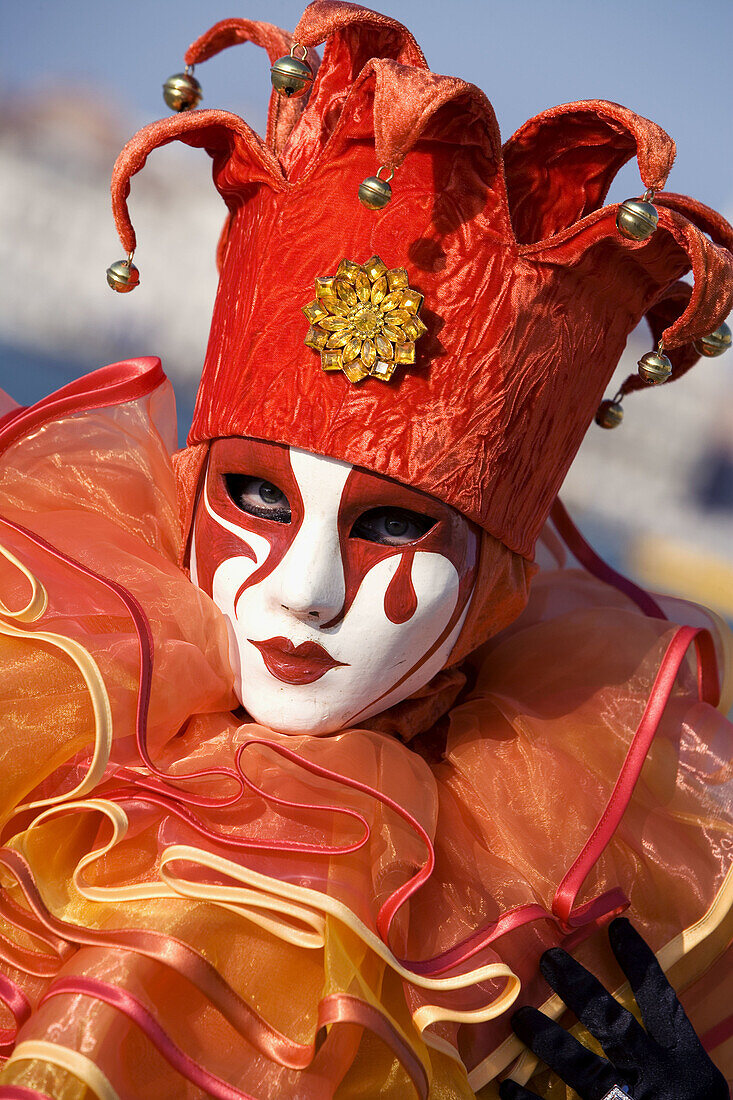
x=637, y=219
x=610, y=414
x=182, y=91
x=123, y=276
x=374, y=192
x=654, y=368
x=292, y=76
x=715, y=343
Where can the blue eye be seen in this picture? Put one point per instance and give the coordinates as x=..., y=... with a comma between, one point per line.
x=258, y=497
x=391, y=526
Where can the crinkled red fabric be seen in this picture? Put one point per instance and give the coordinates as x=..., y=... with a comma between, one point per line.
x=283, y=113
x=530, y=291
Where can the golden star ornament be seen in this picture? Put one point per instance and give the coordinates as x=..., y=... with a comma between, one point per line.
x=364, y=320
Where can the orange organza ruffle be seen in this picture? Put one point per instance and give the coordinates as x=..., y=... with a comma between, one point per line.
x=192, y=905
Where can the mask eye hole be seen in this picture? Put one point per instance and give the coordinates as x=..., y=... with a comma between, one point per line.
x=391, y=526
x=258, y=497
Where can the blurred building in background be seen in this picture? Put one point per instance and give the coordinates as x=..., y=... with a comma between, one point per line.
x=58, y=317
x=654, y=496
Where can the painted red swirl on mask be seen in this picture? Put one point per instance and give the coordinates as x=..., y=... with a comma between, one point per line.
x=214, y=543
x=451, y=535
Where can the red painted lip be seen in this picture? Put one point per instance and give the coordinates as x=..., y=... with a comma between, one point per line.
x=303, y=664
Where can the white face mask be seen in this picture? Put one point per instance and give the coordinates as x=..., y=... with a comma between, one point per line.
x=344, y=591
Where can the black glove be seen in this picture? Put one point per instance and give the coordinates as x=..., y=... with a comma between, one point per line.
x=664, y=1062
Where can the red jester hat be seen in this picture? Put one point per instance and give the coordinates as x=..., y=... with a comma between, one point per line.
x=530, y=291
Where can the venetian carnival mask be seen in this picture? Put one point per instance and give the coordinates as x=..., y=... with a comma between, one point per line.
x=344, y=591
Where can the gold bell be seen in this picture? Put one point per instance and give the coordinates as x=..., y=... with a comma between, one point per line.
x=654, y=367
x=182, y=91
x=292, y=76
x=374, y=192
x=715, y=343
x=123, y=276
x=637, y=219
x=610, y=414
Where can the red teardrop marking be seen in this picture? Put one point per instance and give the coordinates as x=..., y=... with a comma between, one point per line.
x=400, y=601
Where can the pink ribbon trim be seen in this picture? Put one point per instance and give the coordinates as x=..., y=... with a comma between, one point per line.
x=137, y=1012
x=178, y=956
x=174, y=953
x=337, y=1008
x=16, y=1001
x=343, y=1008
x=145, y=645
x=115, y=384
x=709, y=691
x=20, y=1092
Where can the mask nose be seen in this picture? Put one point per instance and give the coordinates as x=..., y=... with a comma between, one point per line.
x=311, y=575
x=315, y=615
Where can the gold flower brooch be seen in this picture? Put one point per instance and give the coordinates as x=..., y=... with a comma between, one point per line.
x=364, y=320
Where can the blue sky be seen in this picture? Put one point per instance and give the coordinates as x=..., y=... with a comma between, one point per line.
x=667, y=59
